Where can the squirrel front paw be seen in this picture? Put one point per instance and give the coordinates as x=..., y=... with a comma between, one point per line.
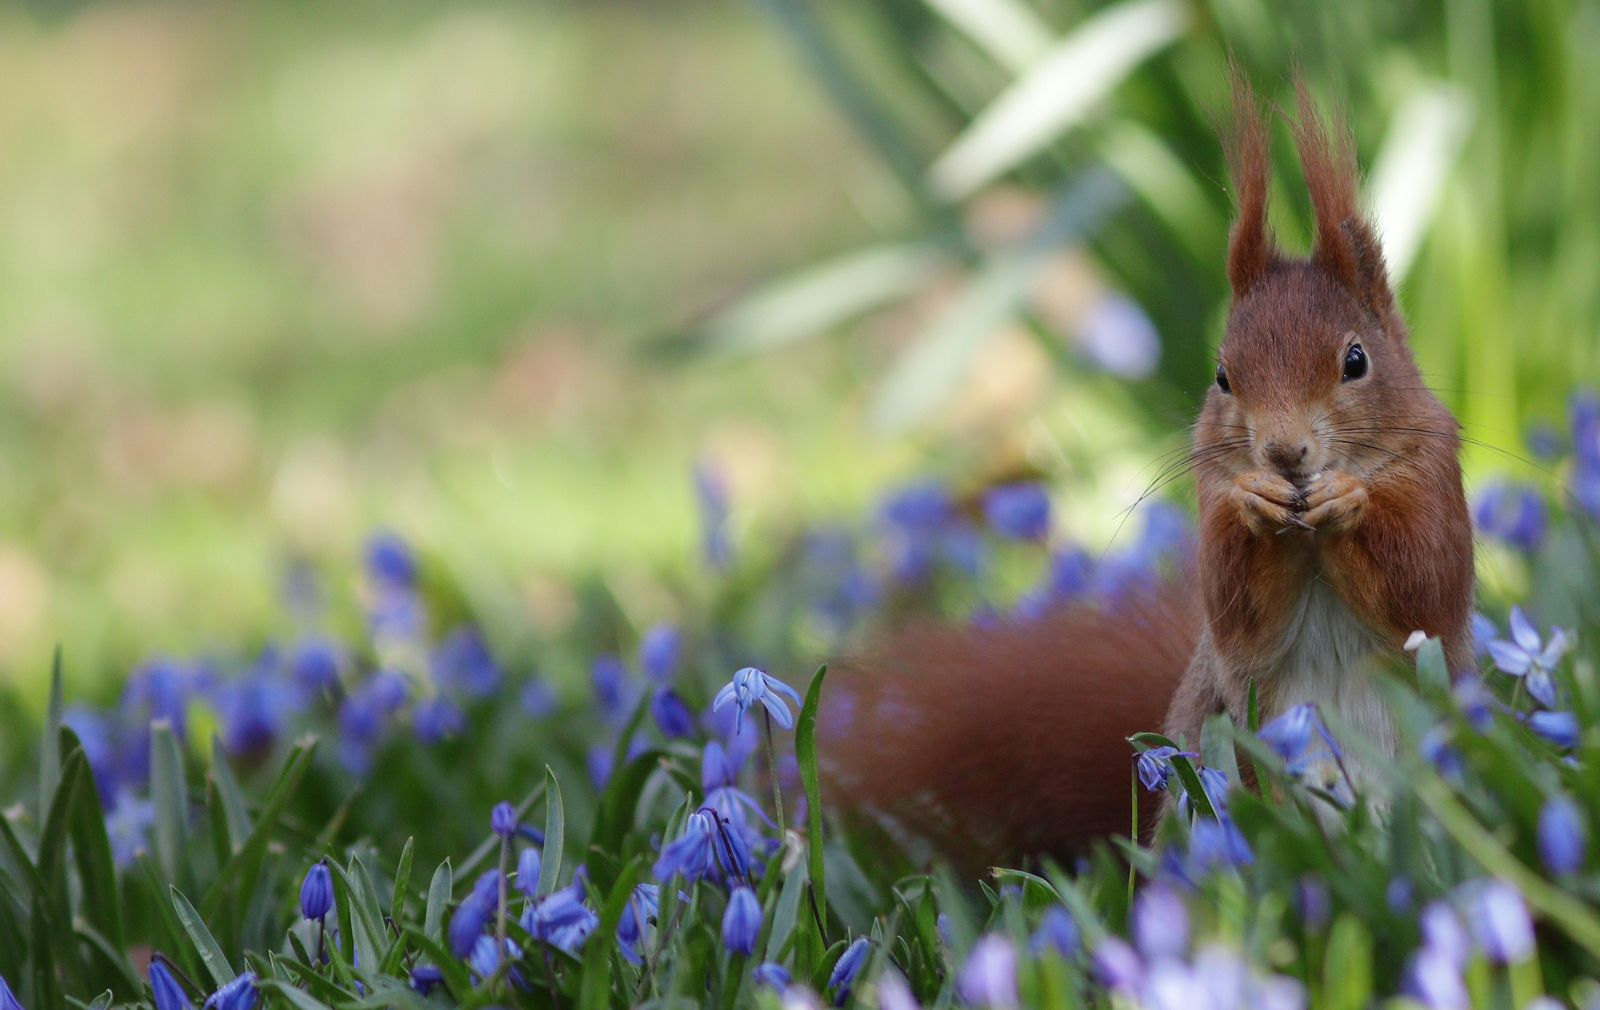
x=1267, y=502
x=1334, y=501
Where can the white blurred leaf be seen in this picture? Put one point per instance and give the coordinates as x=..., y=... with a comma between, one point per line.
x=1056, y=92
x=941, y=358
x=1007, y=30
x=1422, y=145
x=821, y=297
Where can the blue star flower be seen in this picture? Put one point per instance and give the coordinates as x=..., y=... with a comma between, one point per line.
x=1563, y=835
x=772, y=975
x=741, y=922
x=849, y=965
x=240, y=994
x=1155, y=765
x=1527, y=657
x=751, y=685
x=1560, y=728
x=1020, y=510
x=169, y=994
x=561, y=919
x=316, y=892
x=640, y=911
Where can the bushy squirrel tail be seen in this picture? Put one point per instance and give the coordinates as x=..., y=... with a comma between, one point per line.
x=989, y=743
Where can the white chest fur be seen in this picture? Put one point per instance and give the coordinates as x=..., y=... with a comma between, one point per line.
x=1328, y=656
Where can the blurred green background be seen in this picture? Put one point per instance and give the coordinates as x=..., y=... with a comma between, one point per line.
x=499, y=275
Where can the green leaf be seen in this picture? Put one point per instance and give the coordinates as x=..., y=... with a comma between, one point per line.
x=455, y=973
x=366, y=921
x=300, y=999
x=53, y=864
x=402, y=882
x=1347, y=965
x=205, y=945
x=240, y=874
x=805, y=748
x=91, y=847
x=555, y=830
x=617, y=807
x=1216, y=746
x=113, y=956
x=170, y=795
x=236, y=812
x=49, y=743
x=786, y=913
x=1433, y=676
x=595, y=991
x=438, y=897
x=47, y=993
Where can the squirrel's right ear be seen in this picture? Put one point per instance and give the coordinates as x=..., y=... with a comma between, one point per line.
x=1251, y=250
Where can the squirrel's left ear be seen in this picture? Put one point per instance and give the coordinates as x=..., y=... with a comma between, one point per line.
x=1346, y=246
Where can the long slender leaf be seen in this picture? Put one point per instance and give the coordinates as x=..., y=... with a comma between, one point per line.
x=805, y=747
x=205, y=945
x=49, y=744
x=438, y=898
x=1056, y=93
x=555, y=832
x=233, y=804
x=170, y=795
x=91, y=848
x=595, y=991
x=240, y=874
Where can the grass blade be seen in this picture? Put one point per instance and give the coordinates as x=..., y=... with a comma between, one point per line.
x=170, y=795
x=438, y=897
x=236, y=812
x=91, y=848
x=205, y=945
x=805, y=748
x=49, y=744
x=555, y=831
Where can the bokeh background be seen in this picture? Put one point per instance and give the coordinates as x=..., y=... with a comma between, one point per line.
x=506, y=277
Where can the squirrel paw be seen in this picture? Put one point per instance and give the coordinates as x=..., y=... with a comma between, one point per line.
x=1267, y=502
x=1334, y=501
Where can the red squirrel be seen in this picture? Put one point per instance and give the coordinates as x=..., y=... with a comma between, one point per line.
x=1332, y=524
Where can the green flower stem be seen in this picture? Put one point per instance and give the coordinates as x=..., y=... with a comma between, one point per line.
x=772, y=768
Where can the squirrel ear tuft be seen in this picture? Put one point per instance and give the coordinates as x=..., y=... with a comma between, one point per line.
x=1251, y=250
x=1346, y=246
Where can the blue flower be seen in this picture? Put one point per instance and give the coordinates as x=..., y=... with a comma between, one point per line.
x=1560, y=728
x=1070, y=575
x=751, y=685
x=1020, y=510
x=1513, y=513
x=1586, y=450
x=1155, y=765
x=1527, y=657
x=772, y=975
x=692, y=852
x=741, y=922
x=640, y=911
x=169, y=995
x=536, y=698
x=1476, y=702
x=1498, y=919
x=610, y=679
x=1435, y=749
x=1118, y=964
x=462, y=662
x=849, y=965
x=314, y=664
x=1315, y=903
x=1291, y=735
x=894, y=993
x=1216, y=845
x=658, y=651
x=599, y=760
x=1117, y=335
x=487, y=888
x=424, y=977
x=1160, y=922
x=316, y=892
x=1483, y=632
x=389, y=561
x=1397, y=895
x=128, y=827
x=1563, y=835
x=1214, y=782
x=1442, y=931
x=561, y=919
x=1057, y=931
x=468, y=923
x=671, y=714
x=240, y=994
x=503, y=819
x=1433, y=981
x=989, y=978
x=712, y=494
x=437, y=718
x=528, y=866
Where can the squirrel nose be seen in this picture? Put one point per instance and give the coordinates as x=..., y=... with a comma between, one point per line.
x=1286, y=456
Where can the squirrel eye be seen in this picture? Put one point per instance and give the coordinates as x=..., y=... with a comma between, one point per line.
x=1355, y=363
x=1222, y=380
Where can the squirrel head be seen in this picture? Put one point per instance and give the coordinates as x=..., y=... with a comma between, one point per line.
x=1314, y=371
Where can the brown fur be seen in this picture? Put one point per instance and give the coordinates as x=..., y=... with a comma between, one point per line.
x=1010, y=741
x=1004, y=742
